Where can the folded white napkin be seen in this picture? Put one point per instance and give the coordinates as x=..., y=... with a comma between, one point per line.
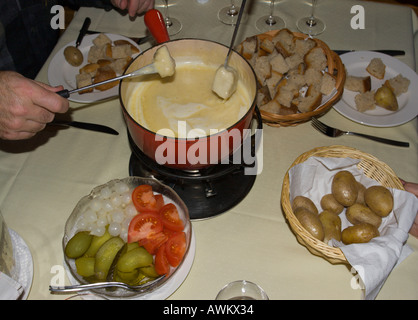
x=9, y=288
x=373, y=261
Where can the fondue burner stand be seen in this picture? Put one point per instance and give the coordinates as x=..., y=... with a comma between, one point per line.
x=206, y=192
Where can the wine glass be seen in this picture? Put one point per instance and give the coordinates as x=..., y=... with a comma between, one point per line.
x=311, y=25
x=229, y=14
x=270, y=22
x=173, y=25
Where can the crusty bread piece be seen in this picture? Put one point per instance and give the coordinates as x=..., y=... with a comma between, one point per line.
x=119, y=65
x=358, y=84
x=90, y=68
x=310, y=101
x=122, y=51
x=262, y=69
x=134, y=49
x=250, y=47
x=365, y=101
x=82, y=80
x=96, y=53
x=284, y=43
x=316, y=58
x=398, y=84
x=376, y=68
x=313, y=76
x=294, y=60
x=285, y=96
x=303, y=46
x=278, y=64
x=105, y=73
x=263, y=96
x=273, y=81
x=101, y=40
x=267, y=46
x=327, y=84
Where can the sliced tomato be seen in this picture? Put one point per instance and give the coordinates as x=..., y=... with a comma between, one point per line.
x=161, y=263
x=144, y=225
x=144, y=199
x=160, y=201
x=175, y=248
x=171, y=218
x=153, y=242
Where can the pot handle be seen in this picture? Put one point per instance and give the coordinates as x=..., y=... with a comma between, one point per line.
x=156, y=25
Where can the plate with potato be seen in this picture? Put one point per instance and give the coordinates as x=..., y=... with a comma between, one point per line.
x=378, y=91
x=103, y=56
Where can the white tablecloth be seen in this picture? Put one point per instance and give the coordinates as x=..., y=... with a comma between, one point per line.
x=42, y=179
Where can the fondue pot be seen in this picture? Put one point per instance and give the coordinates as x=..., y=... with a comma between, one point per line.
x=207, y=150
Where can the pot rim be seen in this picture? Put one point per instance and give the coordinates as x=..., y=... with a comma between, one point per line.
x=250, y=109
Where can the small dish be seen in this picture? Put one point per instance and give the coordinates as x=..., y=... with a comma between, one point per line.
x=74, y=223
x=60, y=72
x=356, y=64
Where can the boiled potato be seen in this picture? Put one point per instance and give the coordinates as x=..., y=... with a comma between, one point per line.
x=73, y=56
x=361, y=189
x=310, y=222
x=385, y=98
x=331, y=224
x=379, y=199
x=304, y=202
x=359, y=213
x=329, y=203
x=344, y=188
x=360, y=233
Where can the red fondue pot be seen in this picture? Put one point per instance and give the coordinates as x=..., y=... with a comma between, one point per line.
x=186, y=153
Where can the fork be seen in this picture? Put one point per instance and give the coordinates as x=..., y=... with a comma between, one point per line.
x=333, y=132
x=109, y=284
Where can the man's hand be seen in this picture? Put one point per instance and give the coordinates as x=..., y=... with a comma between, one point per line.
x=134, y=7
x=26, y=106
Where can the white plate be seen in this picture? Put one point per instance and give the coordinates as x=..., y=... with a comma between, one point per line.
x=60, y=72
x=161, y=293
x=356, y=64
x=24, y=262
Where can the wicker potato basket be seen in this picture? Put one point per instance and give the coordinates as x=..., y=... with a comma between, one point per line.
x=335, y=68
x=372, y=167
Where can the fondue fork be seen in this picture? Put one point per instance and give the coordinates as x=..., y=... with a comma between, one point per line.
x=148, y=69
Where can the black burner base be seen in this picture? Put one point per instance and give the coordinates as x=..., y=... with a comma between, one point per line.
x=207, y=197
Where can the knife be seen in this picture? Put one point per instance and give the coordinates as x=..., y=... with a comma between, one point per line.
x=83, y=31
x=388, y=52
x=85, y=125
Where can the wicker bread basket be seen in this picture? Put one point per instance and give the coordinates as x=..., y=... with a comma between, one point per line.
x=372, y=167
x=335, y=68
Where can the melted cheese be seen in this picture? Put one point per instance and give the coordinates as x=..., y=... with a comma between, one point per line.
x=185, y=103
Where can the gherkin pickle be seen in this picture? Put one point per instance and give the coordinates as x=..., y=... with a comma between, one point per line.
x=133, y=259
x=149, y=271
x=78, y=245
x=96, y=243
x=105, y=256
x=85, y=266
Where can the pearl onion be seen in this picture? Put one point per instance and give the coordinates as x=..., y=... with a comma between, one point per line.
x=121, y=187
x=95, y=204
x=114, y=229
x=105, y=193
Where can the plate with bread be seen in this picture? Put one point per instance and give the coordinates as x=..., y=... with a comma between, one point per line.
x=378, y=91
x=105, y=56
x=298, y=77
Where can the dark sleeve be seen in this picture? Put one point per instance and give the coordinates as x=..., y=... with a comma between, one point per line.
x=105, y=4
